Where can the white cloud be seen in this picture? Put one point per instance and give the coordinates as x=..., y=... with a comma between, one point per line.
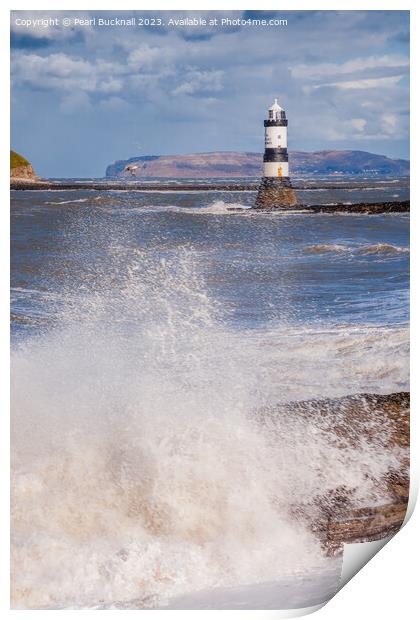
x=146, y=69
x=196, y=81
x=359, y=123
x=379, y=126
x=63, y=73
x=381, y=82
x=148, y=58
x=356, y=65
x=390, y=124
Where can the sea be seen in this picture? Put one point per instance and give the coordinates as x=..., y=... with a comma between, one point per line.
x=148, y=329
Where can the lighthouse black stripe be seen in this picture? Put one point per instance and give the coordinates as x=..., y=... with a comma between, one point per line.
x=280, y=123
x=276, y=158
x=276, y=152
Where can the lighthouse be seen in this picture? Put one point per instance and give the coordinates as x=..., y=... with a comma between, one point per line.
x=275, y=189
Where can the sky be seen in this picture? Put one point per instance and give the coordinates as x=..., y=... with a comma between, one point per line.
x=85, y=95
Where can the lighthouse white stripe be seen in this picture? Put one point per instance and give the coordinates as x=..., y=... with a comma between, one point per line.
x=276, y=137
x=271, y=169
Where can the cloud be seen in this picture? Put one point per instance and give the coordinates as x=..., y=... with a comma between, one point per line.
x=32, y=29
x=390, y=124
x=148, y=58
x=359, y=123
x=62, y=73
x=370, y=72
x=353, y=66
x=196, y=81
x=150, y=70
x=183, y=24
x=376, y=126
x=382, y=82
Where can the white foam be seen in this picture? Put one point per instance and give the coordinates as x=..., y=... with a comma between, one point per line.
x=221, y=207
x=66, y=202
x=140, y=472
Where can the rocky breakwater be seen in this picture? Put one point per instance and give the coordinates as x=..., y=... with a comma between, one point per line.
x=377, y=426
x=368, y=208
x=402, y=206
x=275, y=193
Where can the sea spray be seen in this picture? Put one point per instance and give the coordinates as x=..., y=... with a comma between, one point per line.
x=140, y=470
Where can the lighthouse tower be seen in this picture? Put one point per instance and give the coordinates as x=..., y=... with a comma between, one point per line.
x=275, y=189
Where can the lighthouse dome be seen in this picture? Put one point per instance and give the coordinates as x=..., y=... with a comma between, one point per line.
x=275, y=107
x=274, y=111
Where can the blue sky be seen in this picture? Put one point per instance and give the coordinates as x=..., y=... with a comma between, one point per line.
x=84, y=96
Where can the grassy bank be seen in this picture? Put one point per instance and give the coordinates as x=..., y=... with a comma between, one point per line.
x=17, y=161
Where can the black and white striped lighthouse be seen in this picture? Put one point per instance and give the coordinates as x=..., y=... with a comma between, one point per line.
x=275, y=189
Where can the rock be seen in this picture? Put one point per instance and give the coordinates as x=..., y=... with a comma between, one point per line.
x=381, y=421
x=20, y=168
x=402, y=206
x=361, y=525
x=274, y=193
x=366, y=208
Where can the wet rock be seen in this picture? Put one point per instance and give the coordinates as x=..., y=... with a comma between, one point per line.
x=275, y=193
x=366, y=208
x=402, y=206
x=378, y=420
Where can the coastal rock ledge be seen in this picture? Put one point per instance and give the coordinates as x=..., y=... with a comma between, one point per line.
x=378, y=422
x=20, y=168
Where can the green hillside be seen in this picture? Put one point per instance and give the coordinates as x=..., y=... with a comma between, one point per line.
x=16, y=160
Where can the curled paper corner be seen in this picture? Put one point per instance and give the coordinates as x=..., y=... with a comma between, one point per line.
x=357, y=555
x=297, y=613
x=280, y=614
x=412, y=496
x=305, y=611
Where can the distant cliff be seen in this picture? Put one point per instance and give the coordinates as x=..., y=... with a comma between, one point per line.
x=235, y=164
x=20, y=168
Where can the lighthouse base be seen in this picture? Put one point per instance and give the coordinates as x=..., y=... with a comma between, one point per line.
x=275, y=193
